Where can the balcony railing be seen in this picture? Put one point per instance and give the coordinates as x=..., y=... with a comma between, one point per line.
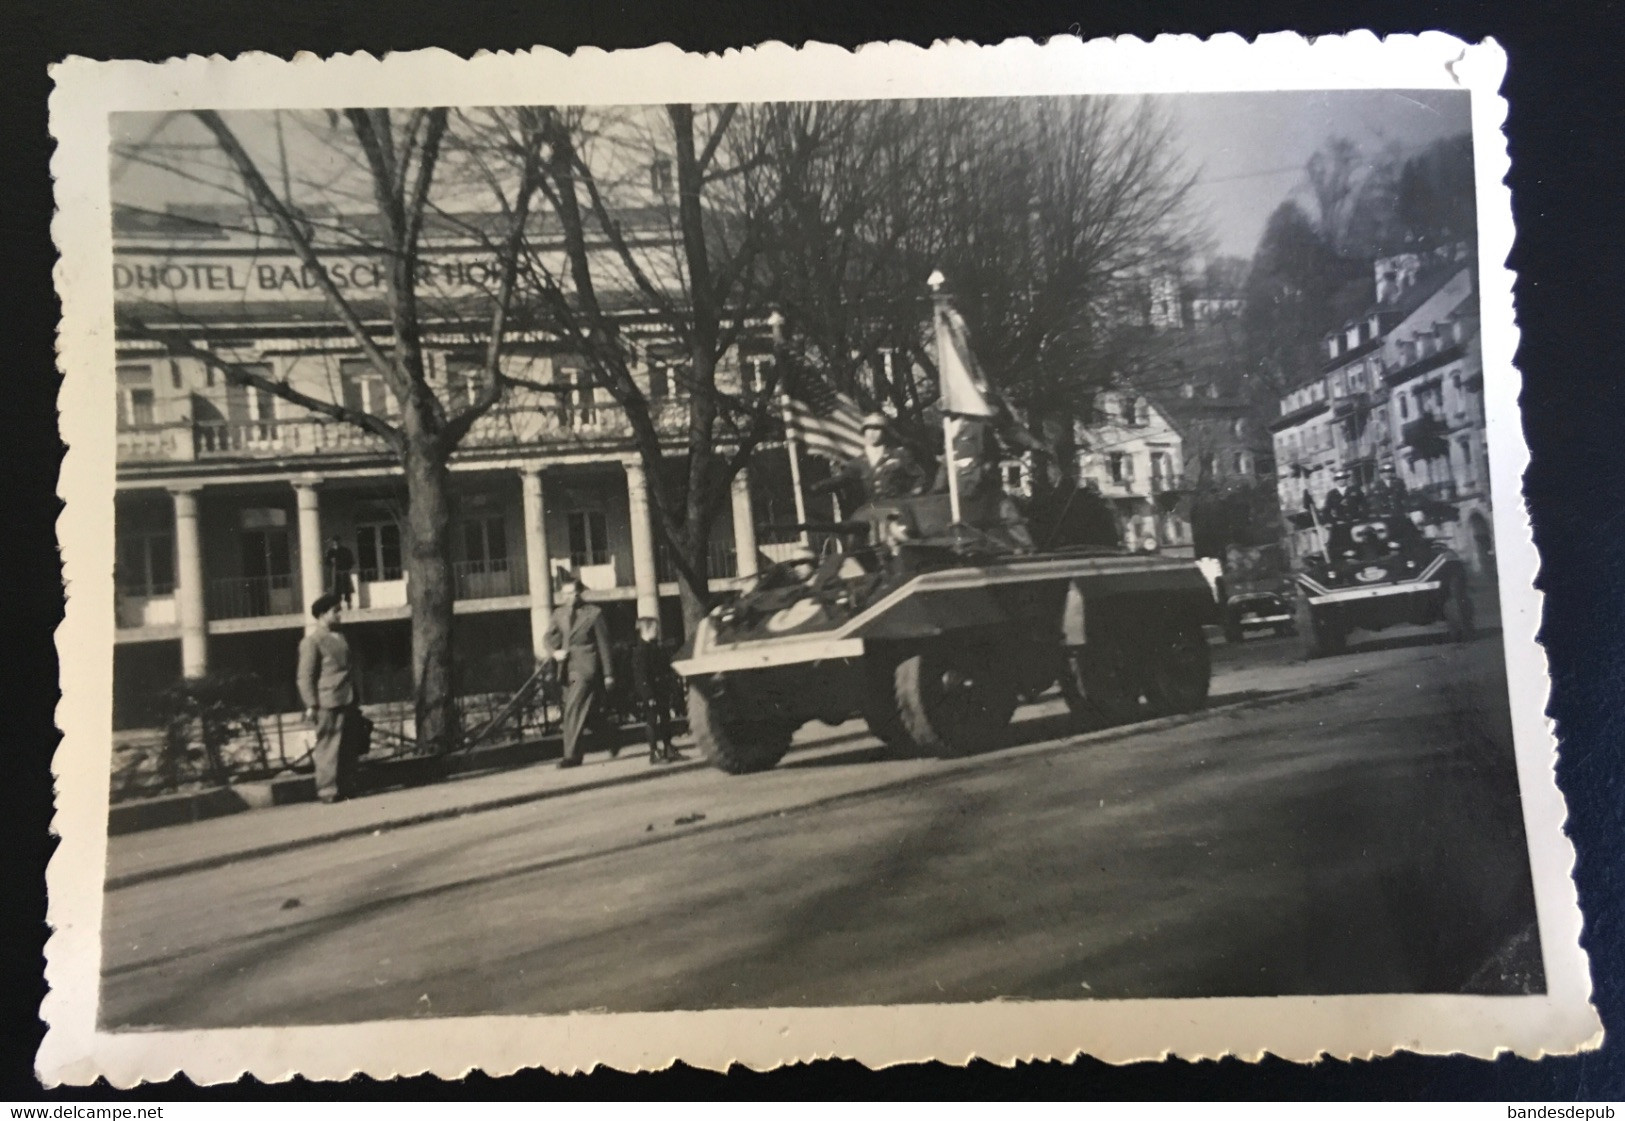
x=489, y=579
x=721, y=562
x=185, y=440
x=252, y=597
x=1439, y=492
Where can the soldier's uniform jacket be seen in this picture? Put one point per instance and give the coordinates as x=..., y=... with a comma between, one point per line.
x=895, y=474
x=584, y=637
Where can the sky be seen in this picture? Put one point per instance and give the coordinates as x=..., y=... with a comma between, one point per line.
x=1248, y=150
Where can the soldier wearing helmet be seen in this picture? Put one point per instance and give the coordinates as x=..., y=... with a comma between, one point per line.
x=883, y=469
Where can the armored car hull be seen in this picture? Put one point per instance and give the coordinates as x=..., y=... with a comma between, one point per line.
x=936, y=658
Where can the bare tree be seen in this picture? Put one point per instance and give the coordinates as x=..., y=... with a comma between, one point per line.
x=659, y=214
x=397, y=157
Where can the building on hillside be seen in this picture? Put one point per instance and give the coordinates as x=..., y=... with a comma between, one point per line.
x=229, y=499
x=1133, y=456
x=1435, y=382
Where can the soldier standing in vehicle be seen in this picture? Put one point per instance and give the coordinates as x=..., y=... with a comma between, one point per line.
x=1336, y=509
x=1388, y=493
x=884, y=469
x=577, y=638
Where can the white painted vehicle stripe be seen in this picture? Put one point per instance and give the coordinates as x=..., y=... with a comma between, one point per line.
x=1373, y=593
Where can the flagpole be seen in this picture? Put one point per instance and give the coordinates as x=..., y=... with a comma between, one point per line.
x=939, y=304
x=792, y=442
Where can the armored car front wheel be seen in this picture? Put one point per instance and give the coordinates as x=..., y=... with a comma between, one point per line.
x=732, y=739
x=954, y=700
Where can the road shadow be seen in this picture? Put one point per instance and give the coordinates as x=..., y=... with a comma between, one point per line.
x=1025, y=731
x=1380, y=643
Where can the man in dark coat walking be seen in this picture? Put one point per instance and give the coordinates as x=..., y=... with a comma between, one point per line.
x=577, y=639
x=330, y=700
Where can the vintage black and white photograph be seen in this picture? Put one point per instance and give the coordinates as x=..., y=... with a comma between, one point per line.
x=680, y=553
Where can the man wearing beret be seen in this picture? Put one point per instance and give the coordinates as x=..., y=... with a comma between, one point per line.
x=329, y=696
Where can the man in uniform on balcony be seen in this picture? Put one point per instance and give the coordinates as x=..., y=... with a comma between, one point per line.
x=577, y=639
x=330, y=699
x=340, y=564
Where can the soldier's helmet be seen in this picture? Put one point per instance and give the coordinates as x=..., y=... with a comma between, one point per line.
x=874, y=420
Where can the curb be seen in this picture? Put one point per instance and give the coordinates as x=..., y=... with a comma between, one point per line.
x=950, y=768
x=220, y=860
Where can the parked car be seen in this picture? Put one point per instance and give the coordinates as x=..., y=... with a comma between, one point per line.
x=1259, y=611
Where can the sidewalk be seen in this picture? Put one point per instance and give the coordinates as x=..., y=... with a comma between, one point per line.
x=135, y=857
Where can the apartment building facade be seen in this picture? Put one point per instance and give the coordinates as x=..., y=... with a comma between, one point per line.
x=1402, y=384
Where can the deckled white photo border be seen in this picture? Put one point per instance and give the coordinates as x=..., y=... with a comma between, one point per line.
x=1299, y=1028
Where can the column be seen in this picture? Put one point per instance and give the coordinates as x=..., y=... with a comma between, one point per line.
x=312, y=575
x=538, y=564
x=744, y=525
x=643, y=541
x=189, y=585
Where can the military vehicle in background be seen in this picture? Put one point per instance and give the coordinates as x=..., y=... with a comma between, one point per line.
x=1379, y=572
x=932, y=631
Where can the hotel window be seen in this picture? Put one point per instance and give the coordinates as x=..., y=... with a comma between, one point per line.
x=485, y=544
x=660, y=176
x=669, y=377
x=576, y=394
x=589, y=538
x=1469, y=468
x=1404, y=407
x=135, y=396
x=378, y=549
x=1187, y=391
x=464, y=380
x=755, y=374
x=365, y=389
x=146, y=563
x=1121, y=466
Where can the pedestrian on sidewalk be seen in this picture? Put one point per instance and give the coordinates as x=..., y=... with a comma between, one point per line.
x=577, y=639
x=651, y=682
x=330, y=699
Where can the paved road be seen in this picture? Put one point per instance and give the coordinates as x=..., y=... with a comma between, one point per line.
x=1363, y=837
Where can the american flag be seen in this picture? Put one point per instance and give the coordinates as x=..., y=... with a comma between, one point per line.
x=829, y=423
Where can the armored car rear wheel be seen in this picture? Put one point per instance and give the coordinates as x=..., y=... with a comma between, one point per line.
x=734, y=742
x=953, y=700
x=1102, y=682
x=1180, y=670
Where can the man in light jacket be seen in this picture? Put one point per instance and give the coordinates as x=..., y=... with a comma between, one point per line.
x=330, y=699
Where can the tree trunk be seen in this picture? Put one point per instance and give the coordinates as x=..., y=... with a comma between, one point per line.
x=431, y=593
x=696, y=600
